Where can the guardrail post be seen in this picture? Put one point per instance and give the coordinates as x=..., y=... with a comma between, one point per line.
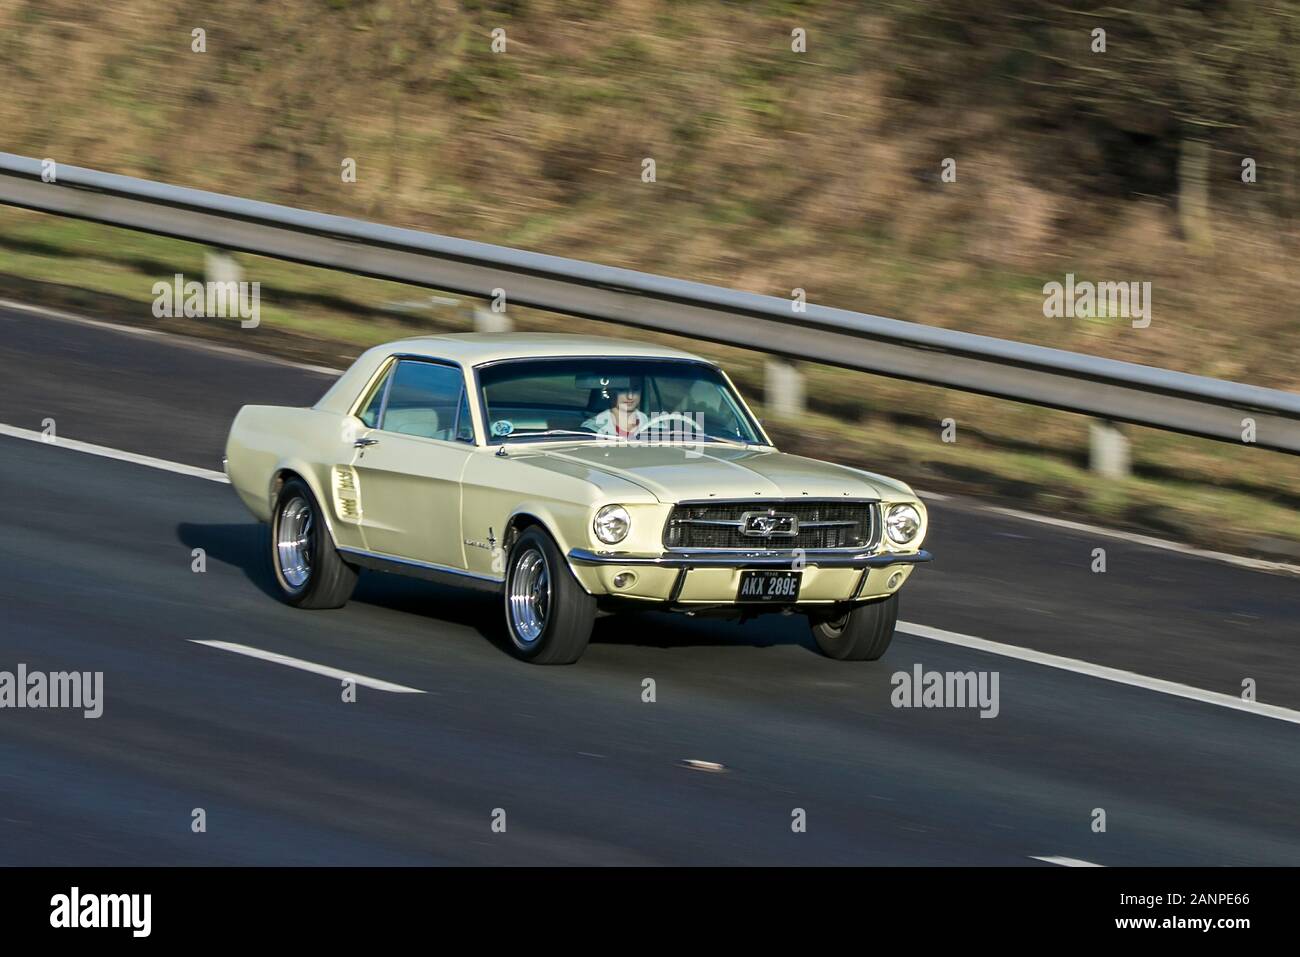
x=485, y=320
x=220, y=266
x=1108, y=449
x=783, y=389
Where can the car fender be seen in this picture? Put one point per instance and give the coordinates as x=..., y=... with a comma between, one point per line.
x=312, y=476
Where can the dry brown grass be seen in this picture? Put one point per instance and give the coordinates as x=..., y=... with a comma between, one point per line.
x=774, y=170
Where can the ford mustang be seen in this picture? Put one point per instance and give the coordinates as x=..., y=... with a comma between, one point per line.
x=572, y=476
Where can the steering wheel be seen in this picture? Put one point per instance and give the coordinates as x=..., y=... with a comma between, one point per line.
x=692, y=426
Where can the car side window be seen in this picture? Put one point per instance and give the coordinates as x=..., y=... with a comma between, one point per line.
x=423, y=400
x=375, y=404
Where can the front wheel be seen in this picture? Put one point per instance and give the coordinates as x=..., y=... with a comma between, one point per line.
x=862, y=634
x=308, y=569
x=548, y=613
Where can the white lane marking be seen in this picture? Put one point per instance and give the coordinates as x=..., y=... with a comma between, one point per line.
x=1101, y=671
x=1255, y=564
x=102, y=450
x=173, y=337
x=1065, y=861
x=311, y=666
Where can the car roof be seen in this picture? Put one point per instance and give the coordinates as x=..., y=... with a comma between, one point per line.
x=475, y=348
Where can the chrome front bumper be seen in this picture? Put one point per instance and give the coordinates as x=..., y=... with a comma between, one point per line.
x=732, y=558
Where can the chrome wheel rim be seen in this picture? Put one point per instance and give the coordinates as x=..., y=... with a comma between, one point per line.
x=529, y=596
x=293, y=541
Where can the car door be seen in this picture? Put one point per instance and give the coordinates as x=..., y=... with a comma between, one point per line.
x=409, y=465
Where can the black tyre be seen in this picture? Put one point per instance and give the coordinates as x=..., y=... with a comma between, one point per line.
x=308, y=570
x=548, y=613
x=862, y=634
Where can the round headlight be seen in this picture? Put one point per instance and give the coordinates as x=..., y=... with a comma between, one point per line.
x=612, y=524
x=902, y=524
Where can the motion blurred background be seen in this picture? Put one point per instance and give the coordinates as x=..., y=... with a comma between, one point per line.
x=775, y=169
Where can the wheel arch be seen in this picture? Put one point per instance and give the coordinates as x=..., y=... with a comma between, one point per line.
x=525, y=517
x=519, y=521
x=286, y=470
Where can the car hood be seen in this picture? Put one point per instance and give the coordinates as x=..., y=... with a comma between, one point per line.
x=676, y=473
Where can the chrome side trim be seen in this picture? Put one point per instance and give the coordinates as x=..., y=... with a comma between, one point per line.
x=443, y=574
x=820, y=558
x=388, y=388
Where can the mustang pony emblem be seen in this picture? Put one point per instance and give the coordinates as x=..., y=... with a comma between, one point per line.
x=769, y=523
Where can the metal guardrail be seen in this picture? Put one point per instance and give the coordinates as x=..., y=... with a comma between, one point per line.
x=1106, y=388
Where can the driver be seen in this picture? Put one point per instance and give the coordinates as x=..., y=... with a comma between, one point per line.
x=623, y=418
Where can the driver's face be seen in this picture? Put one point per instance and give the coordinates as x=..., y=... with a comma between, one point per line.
x=628, y=401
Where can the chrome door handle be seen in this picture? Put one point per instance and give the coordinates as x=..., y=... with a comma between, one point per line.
x=363, y=443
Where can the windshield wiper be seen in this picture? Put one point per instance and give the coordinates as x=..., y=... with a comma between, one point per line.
x=688, y=439
x=530, y=435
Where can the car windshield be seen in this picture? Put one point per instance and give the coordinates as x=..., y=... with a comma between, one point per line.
x=657, y=400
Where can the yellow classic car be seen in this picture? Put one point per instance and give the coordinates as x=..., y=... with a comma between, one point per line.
x=573, y=476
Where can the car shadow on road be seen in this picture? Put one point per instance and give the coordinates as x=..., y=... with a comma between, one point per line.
x=664, y=630
x=412, y=596
x=244, y=546
x=241, y=546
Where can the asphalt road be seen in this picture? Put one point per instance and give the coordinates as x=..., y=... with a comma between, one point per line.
x=95, y=575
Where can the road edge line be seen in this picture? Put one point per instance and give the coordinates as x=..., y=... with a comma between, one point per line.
x=1104, y=672
x=103, y=451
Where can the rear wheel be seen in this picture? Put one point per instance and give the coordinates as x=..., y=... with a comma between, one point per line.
x=862, y=634
x=309, y=571
x=548, y=613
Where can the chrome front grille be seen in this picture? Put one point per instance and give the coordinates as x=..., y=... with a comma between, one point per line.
x=767, y=524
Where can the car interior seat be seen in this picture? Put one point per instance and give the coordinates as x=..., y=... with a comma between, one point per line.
x=418, y=420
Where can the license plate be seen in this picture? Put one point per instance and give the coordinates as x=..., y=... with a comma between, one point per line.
x=768, y=585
